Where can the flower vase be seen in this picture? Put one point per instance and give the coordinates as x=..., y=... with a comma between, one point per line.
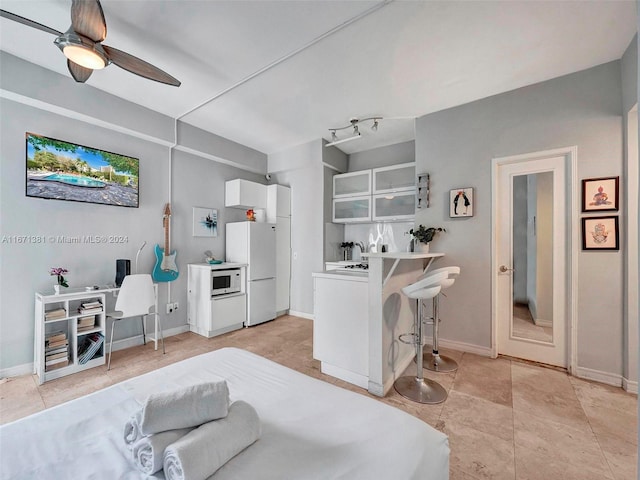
x=56, y=288
x=419, y=247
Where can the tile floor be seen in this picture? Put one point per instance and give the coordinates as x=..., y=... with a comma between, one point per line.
x=524, y=327
x=505, y=419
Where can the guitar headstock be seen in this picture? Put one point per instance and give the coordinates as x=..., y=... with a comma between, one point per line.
x=166, y=215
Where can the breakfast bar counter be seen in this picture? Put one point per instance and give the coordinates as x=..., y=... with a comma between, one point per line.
x=358, y=316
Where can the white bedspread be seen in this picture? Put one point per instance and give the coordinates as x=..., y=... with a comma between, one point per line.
x=310, y=429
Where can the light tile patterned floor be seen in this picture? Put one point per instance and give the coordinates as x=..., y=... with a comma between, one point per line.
x=505, y=419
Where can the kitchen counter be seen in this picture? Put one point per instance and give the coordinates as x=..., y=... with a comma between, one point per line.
x=356, y=276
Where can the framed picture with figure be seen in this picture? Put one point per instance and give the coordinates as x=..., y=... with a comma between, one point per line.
x=600, y=233
x=461, y=202
x=600, y=194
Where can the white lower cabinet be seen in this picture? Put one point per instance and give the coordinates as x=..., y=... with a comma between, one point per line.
x=213, y=315
x=341, y=328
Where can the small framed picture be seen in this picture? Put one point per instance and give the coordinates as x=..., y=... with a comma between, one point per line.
x=205, y=222
x=600, y=233
x=600, y=194
x=461, y=202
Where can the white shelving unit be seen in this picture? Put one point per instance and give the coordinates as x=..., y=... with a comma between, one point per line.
x=68, y=324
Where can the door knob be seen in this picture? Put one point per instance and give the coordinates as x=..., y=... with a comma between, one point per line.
x=505, y=269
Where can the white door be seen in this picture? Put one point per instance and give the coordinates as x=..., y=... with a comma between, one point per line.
x=530, y=207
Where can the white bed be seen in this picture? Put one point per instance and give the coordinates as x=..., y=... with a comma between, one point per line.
x=310, y=429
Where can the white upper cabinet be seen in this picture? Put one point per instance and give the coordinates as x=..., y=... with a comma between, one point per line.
x=396, y=178
x=396, y=206
x=352, y=184
x=245, y=194
x=352, y=209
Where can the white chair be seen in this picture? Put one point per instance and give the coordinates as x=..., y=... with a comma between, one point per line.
x=418, y=388
x=433, y=360
x=136, y=298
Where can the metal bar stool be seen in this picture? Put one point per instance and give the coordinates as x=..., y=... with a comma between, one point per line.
x=418, y=388
x=433, y=360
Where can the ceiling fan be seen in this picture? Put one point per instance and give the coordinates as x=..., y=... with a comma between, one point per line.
x=82, y=44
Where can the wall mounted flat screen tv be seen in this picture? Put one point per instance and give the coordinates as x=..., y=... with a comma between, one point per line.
x=61, y=170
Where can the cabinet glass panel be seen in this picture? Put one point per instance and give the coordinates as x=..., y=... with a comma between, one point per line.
x=395, y=178
x=353, y=183
x=354, y=209
x=400, y=206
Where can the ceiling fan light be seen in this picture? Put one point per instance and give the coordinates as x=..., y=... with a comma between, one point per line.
x=83, y=56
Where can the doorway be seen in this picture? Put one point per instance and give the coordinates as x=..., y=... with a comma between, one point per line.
x=533, y=225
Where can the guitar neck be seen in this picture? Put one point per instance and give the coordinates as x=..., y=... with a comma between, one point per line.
x=167, y=247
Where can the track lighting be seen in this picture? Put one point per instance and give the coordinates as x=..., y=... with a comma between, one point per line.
x=356, y=132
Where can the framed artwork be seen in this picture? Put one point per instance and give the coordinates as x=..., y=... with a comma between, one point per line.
x=600, y=194
x=205, y=222
x=461, y=202
x=600, y=233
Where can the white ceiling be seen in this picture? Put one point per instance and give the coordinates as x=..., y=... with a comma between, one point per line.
x=401, y=60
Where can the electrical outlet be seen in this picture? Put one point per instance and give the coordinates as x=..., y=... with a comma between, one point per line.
x=169, y=307
x=176, y=305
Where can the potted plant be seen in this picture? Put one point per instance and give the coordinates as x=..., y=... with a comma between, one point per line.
x=62, y=282
x=422, y=236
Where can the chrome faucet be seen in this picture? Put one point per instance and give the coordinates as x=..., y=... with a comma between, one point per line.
x=362, y=247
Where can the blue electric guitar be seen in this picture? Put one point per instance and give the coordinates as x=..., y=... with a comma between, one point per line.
x=165, y=269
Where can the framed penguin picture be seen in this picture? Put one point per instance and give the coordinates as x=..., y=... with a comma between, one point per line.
x=461, y=202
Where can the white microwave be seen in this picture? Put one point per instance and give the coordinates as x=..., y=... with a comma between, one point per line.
x=225, y=281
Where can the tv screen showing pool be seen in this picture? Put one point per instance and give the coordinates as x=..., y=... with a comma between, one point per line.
x=61, y=170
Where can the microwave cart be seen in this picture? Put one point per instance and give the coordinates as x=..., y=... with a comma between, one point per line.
x=217, y=299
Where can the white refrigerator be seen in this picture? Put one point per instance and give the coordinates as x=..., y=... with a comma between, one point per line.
x=254, y=243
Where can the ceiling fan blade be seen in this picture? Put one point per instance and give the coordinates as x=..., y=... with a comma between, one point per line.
x=139, y=67
x=27, y=22
x=87, y=18
x=79, y=73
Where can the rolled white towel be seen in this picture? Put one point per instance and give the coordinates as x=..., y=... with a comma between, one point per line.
x=201, y=452
x=186, y=407
x=148, y=451
x=132, y=431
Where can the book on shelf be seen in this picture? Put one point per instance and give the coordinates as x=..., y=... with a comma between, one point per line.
x=61, y=343
x=55, y=314
x=55, y=366
x=89, y=311
x=56, y=361
x=56, y=337
x=55, y=356
x=56, y=349
x=86, y=323
x=89, y=347
x=94, y=303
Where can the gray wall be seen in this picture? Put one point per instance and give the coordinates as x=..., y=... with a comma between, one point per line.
x=457, y=146
x=82, y=114
x=301, y=169
x=383, y=157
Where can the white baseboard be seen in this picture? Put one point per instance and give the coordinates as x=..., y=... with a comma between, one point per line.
x=598, y=376
x=27, y=368
x=630, y=386
x=301, y=314
x=540, y=322
x=462, y=347
x=353, y=378
x=18, y=370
